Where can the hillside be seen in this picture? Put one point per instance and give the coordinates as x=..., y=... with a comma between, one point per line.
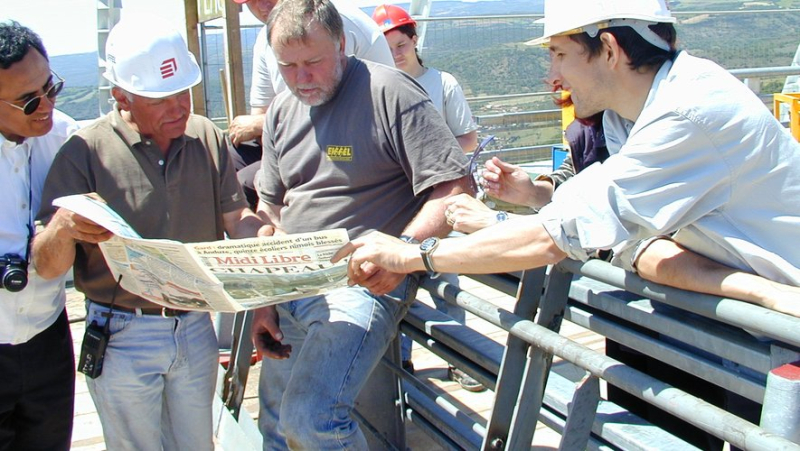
x=487, y=55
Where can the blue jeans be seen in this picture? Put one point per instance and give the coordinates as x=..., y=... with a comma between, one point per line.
x=157, y=385
x=337, y=340
x=455, y=312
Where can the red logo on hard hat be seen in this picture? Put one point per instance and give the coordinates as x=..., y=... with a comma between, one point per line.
x=168, y=68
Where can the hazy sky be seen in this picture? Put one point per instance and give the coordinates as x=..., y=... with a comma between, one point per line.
x=70, y=26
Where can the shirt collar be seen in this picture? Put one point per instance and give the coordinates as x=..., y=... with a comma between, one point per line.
x=661, y=77
x=6, y=145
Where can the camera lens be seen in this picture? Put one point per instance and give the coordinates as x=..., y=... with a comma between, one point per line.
x=14, y=278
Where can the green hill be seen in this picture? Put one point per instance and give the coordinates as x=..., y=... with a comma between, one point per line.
x=488, y=57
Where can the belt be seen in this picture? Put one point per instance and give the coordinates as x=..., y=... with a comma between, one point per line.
x=154, y=311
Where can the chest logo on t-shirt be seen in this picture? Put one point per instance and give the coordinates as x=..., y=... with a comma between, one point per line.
x=339, y=153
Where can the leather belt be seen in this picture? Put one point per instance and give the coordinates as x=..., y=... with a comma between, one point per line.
x=150, y=311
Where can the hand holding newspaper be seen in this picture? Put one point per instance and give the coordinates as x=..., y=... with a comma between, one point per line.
x=222, y=276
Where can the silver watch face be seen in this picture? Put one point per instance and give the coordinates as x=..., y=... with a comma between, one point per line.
x=428, y=244
x=501, y=216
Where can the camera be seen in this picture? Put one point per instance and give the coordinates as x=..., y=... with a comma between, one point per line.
x=13, y=272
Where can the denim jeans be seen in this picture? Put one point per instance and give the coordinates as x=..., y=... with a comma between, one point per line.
x=337, y=340
x=454, y=311
x=158, y=380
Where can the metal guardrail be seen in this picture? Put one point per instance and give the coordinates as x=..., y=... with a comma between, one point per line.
x=760, y=72
x=520, y=376
x=523, y=383
x=777, y=326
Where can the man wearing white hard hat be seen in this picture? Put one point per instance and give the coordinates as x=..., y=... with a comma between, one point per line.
x=362, y=39
x=168, y=174
x=701, y=157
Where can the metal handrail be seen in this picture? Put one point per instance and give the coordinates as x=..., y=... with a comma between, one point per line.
x=750, y=317
x=695, y=411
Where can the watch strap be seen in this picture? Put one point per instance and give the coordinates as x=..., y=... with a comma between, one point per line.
x=427, y=248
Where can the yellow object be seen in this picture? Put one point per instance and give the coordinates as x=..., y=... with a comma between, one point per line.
x=567, y=116
x=793, y=102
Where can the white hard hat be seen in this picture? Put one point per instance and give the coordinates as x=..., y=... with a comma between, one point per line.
x=564, y=17
x=147, y=57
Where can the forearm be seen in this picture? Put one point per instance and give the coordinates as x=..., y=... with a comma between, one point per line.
x=244, y=223
x=431, y=221
x=514, y=245
x=517, y=244
x=269, y=213
x=52, y=255
x=668, y=263
x=541, y=193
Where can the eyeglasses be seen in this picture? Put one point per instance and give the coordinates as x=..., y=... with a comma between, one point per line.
x=32, y=105
x=474, y=177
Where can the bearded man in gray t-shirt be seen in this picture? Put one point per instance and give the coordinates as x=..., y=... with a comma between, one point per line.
x=357, y=145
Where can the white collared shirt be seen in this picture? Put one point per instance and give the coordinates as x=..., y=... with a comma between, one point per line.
x=25, y=314
x=705, y=158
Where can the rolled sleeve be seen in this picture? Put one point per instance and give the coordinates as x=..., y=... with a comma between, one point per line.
x=627, y=254
x=583, y=217
x=564, y=240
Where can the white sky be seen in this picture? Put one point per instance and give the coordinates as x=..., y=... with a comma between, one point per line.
x=70, y=26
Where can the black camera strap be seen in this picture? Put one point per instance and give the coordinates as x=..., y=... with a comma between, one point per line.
x=31, y=214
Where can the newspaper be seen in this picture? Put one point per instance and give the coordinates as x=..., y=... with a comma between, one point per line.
x=221, y=276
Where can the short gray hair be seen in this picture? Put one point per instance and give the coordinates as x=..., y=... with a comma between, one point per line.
x=292, y=20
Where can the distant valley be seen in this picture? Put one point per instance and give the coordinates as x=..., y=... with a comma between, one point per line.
x=487, y=55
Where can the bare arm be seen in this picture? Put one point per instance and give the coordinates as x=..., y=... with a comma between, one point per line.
x=270, y=214
x=517, y=244
x=266, y=331
x=467, y=214
x=542, y=193
x=54, y=247
x=247, y=126
x=243, y=223
x=468, y=141
x=431, y=221
x=668, y=263
x=510, y=183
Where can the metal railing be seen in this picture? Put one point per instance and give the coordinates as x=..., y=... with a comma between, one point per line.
x=473, y=47
x=527, y=391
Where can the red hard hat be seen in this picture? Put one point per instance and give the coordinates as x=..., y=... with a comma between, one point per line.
x=389, y=17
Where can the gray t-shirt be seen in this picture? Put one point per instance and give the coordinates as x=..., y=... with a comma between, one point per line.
x=364, y=161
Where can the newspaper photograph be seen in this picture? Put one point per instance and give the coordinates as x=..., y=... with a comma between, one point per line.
x=222, y=276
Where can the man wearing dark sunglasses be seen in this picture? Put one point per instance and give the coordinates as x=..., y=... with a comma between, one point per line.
x=51, y=91
x=36, y=359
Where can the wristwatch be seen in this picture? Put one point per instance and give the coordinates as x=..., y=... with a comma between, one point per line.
x=409, y=239
x=426, y=249
x=501, y=216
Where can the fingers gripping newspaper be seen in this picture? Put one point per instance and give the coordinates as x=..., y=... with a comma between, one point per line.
x=222, y=276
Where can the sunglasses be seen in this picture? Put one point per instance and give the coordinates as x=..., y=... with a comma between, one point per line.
x=473, y=165
x=32, y=105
